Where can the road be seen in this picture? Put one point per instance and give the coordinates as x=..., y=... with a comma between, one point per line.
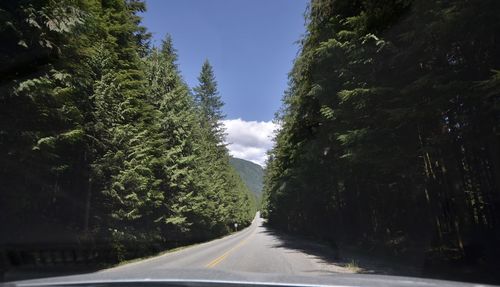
x=254, y=249
x=255, y=254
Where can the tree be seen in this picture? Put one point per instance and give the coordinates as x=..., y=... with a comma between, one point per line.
x=386, y=120
x=42, y=140
x=209, y=102
x=174, y=131
x=101, y=143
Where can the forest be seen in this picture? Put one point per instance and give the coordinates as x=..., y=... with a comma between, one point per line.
x=103, y=146
x=390, y=131
x=389, y=137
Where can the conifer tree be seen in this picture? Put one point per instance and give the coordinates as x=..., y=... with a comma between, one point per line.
x=101, y=143
x=209, y=102
x=388, y=118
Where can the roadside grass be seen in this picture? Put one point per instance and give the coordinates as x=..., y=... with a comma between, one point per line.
x=161, y=253
x=353, y=266
x=151, y=256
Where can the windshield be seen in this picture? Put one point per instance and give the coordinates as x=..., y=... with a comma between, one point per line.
x=232, y=140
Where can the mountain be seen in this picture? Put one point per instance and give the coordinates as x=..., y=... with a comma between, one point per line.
x=251, y=173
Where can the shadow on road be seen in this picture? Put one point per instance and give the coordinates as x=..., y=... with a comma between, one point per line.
x=353, y=260
x=27, y=273
x=345, y=259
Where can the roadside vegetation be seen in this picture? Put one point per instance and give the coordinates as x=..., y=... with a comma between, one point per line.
x=252, y=175
x=390, y=132
x=103, y=146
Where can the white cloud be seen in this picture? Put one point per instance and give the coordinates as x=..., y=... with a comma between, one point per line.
x=249, y=140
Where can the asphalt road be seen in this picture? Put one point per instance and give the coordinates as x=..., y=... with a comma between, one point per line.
x=256, y=254
x=254, y=249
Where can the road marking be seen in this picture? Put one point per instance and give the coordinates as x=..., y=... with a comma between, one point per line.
x=218, y=260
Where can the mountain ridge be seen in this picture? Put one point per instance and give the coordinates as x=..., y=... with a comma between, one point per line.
x=251, y=173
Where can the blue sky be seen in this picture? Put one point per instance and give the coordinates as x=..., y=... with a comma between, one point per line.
x=251, y=45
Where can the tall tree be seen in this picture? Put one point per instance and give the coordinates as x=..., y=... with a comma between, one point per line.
x=41, y=136
x=101, y=142
x=208, y=100
x=175, y=134
x=386, y=119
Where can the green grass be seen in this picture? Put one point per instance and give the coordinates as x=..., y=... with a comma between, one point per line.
x=133, y=260
x=353, y=266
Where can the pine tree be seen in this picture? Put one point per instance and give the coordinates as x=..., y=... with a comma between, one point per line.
x=42, y=142
x=380, y=126
x=101, y=142
x=209, y=102
x=175, y=164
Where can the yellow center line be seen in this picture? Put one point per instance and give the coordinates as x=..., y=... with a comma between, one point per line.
x=217, y=260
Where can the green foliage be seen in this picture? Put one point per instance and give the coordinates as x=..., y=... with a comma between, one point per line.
x=101, y=141
x=390, y=128
x=209, y=102
x=252, y=175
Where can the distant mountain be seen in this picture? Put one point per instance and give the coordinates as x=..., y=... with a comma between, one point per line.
x=251, y=173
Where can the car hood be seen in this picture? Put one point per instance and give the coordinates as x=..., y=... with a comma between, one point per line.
x=212, y=278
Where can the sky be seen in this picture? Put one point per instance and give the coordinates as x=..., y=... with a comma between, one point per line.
x=251, y=45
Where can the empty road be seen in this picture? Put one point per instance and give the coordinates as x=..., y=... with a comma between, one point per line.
x=254, y=249
x=255, y=254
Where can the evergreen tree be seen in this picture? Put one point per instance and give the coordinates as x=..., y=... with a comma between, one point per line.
x=386, y=119
x=175, y=163
x=101, y=142
x=209, y=102
x=41, y=137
